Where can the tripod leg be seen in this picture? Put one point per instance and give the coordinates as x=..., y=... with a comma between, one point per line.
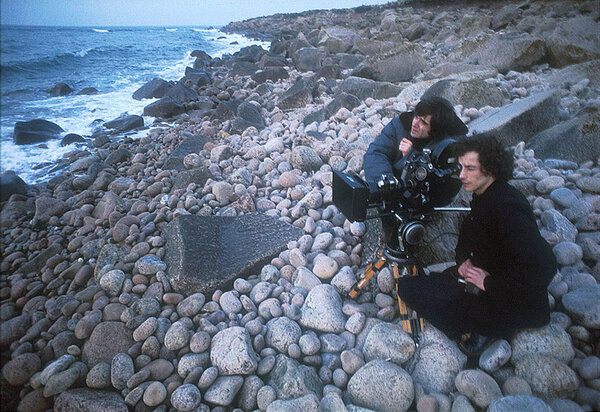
x=407, y=325
x=412, y=323
x=369, y=272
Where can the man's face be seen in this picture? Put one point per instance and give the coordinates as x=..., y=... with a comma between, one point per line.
x=471, y=175
x=421, y=126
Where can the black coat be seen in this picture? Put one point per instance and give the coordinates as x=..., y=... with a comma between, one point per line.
x=384, y=152
x=501, y=236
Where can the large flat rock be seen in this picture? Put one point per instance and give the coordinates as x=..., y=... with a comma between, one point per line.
x=206, y=253
x=520, y=120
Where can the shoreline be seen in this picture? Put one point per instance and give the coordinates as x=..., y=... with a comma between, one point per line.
x=91, y=315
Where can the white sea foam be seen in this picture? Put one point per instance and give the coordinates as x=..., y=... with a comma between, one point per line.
x=76, y=113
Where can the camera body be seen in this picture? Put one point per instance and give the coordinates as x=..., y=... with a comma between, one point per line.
x=421, y=181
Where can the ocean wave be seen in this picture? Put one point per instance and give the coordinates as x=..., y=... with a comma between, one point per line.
x=40, y=64
x=171, y=30
x=100, y=30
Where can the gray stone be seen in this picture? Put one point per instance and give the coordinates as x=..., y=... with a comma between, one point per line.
x=190, y=361
x=83, y=399
x=191, y=305
x=398, y=66
x=322, y=310
x=112, y=282
x=291, y=379
x=575, y=139
x=332, y=402
x=519, y=403
x=125, y=123
x=478, y=386
x=364, y=88
x=563, y=197
x=306, y=403
x=583, y=305
x=306, y=159
x=223, y=390
x=520, y=119
x=281, y=333
x=99, y=376
x=121, y=370
x=191, y=144
x=548, y=377
x=197, y=175
x=436, y=362
x=155, y=88
x=62, y=381
x=150, y=265
x=567, y=253
x=164, y=108
x=504, y=52
x=35, y=131
x=550, y=340
x=573, y=40
x=186, y=397
x=388, y=341
x=177, y=336
x=558, y=225
x=182, y=93
x=515, y=385
x=55, y=367
x=299, y=95
x=35, y=401
x=249, y=392
x=155, y=394
x=232, y=353
x=205, y=253
x=381, y=386
x=106, y=340
x=470, y=93
x=495, y=356
x=18, y=370
x=13, y=329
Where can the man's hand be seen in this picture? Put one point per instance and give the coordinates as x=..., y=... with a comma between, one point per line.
x=472, y=274
x=405, y=146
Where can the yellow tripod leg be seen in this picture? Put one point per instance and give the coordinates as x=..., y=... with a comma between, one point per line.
x=404, y=318
x=412, y=324
x=369, y=272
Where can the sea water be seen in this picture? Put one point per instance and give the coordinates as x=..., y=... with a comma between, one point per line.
x=114, y=60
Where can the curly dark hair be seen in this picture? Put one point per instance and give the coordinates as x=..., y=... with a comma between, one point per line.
x=495, y=160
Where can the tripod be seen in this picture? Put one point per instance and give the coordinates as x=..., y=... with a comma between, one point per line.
x=398, y=253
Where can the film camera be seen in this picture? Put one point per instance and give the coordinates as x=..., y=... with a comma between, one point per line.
x=422, y=183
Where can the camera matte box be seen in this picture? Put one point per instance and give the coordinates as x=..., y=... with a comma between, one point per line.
x=350, y=195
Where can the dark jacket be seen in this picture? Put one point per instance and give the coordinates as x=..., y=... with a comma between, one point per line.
x=501, y=236
x=384, y=152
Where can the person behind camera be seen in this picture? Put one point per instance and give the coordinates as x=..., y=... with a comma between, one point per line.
x=432, y=120
x=500, y=256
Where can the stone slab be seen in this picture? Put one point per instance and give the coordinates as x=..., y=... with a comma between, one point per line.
x=206, y=253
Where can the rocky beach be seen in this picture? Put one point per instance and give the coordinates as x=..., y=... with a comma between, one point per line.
x=205, y=267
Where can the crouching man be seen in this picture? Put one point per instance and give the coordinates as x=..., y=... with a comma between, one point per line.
x=503, y=265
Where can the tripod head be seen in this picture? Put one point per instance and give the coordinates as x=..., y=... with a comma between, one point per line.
x=409, y=229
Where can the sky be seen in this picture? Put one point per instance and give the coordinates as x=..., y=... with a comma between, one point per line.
x=155, y=12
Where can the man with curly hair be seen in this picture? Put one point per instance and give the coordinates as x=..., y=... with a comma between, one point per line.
x=503, y=265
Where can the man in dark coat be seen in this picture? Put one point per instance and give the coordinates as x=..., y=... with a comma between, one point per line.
x=432, y=121
x=500, y=256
